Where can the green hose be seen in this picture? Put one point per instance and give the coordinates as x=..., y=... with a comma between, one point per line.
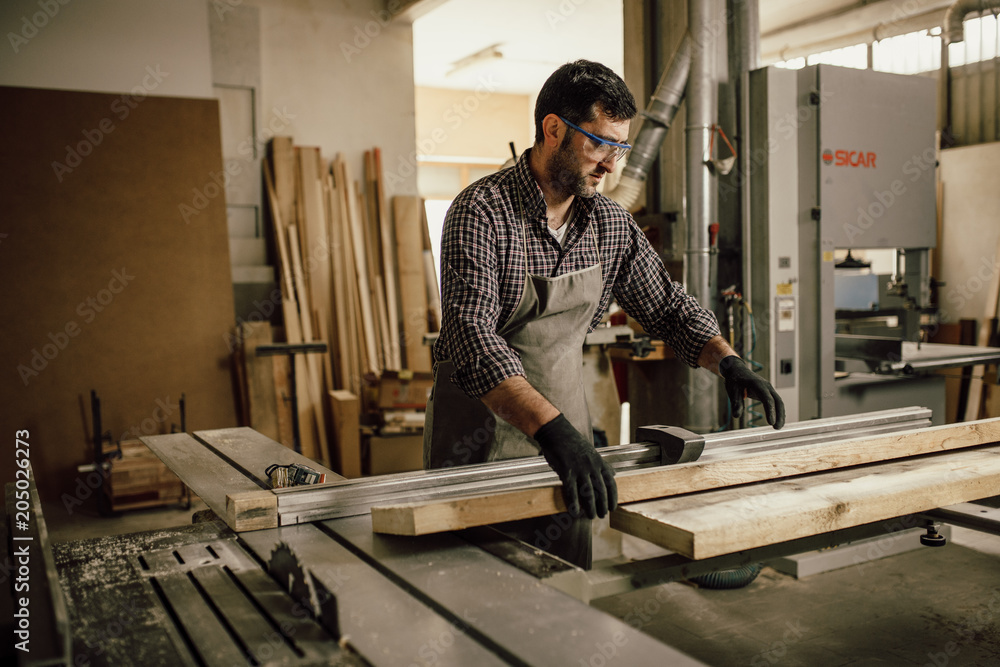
x=728, y=579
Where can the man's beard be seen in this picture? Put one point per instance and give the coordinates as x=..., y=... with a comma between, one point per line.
x=564, y=175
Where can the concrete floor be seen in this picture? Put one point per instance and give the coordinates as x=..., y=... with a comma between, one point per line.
x=936, y=607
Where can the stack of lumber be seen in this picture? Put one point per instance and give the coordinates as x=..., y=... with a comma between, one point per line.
x=139, y=479
x=352, y=275
x=723, y=505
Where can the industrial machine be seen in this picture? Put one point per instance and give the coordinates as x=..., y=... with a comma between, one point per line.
x=844, y=165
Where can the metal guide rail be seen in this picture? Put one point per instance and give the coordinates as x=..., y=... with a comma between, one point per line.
x=355, y=497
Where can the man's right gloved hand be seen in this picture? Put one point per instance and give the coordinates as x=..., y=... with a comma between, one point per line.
x=588, y=482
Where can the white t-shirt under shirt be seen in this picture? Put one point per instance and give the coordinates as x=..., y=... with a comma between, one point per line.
x=559, y=234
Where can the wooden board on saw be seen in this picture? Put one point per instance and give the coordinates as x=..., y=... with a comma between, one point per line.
x=244, y=504
x=713, y=523
x=467, y=512
x=252, y=452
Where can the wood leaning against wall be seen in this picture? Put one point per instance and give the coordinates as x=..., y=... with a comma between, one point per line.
x=350, y=276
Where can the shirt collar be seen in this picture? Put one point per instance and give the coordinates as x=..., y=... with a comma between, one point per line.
x=531, y=192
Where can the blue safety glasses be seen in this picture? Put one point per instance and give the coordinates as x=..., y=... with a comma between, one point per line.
x=602, y=149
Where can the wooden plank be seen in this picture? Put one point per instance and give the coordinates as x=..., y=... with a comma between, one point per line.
x=378, y=295
x=346, y=410
x=252, y=452
x=310, y=411
x=430, y=275
x=259, y=372
x=412, y=289
x=252, y=510
x=713, y=523
x=371, y=263
x=283, y=399
x=389, y=272
x=289, y=307
x=356, y=242
x=283, y=172
x=340, y=338
x=208, y=475
x=646, y=484
x=314, y=232
x=350, y=326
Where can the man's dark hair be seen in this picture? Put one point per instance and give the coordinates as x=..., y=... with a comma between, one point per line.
x=578, y=90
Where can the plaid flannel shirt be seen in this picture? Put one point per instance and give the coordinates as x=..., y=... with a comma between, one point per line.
x=483, y=259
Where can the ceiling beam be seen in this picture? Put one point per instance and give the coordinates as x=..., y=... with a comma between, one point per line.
x=868, y=23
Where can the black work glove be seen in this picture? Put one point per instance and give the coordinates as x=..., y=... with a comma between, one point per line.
x=741, y=381
x=587, y=480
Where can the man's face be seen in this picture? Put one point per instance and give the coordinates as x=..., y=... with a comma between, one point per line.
x=577, y=166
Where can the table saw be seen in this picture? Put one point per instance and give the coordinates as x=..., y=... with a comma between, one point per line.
x=298, y=576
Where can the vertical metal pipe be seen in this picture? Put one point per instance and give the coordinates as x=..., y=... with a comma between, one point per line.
x=657, y=118
x=745, y=44
x=701, y=190
x=702, y=109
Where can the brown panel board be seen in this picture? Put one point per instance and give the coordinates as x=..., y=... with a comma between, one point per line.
x=115, y=258
x=458, y=513
x=719, y=522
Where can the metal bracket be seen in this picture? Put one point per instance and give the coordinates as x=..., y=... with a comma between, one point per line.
x=677, y=445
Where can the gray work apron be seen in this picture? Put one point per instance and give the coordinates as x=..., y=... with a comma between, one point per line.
x=547, y=330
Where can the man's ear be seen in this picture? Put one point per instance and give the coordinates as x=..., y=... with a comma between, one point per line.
x=552, y=130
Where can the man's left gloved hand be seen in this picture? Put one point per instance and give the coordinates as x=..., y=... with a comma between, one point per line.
x=741, y=381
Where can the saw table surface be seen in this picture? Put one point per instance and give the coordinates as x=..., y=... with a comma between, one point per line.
x=201, y=595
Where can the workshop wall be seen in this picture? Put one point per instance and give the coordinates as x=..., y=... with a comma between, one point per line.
x=472, y=123
x=340, y=76
x=107, y=46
